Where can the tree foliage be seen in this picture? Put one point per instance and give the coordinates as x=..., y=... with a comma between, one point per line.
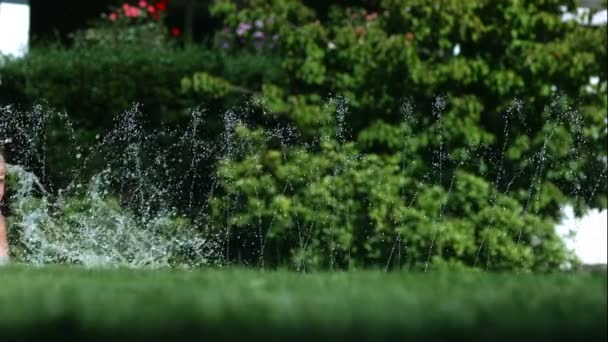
x=504, y=129
x=460, y=129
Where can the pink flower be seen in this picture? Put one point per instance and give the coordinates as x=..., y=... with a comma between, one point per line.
x=151, y=9
x=143, y=4
x=371, y=16
x=113, y=16
x=131, y=11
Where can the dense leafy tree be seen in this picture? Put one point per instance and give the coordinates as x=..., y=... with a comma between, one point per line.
x=460, y=128
x=505, y=128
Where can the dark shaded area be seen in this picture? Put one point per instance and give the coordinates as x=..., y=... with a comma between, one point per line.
x=57, y=19
x=68, y=329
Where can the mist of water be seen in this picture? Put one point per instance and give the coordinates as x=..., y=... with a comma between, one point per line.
x=126, y=214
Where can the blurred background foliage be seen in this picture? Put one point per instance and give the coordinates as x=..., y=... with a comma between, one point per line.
x=462, y=129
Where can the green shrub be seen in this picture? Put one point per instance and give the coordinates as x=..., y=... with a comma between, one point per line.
x=516, y=95
x=336, y=208
x=94, y=84
x=495, y=140
x=511, y=51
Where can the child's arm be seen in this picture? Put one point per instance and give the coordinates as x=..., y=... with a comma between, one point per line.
x=3, y=240
x=3, y=227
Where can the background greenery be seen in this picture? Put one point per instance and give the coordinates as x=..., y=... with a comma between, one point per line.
x=439, y=157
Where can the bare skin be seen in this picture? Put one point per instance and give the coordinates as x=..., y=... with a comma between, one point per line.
x=3, y=226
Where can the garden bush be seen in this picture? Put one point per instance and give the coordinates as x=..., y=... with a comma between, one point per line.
x=94, y=84
x=332, y=207
x=462, y=131
x=515, y=51
x=509, y=82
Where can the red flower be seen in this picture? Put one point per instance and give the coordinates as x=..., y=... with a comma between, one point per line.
x=161, y=6
x=176, y=32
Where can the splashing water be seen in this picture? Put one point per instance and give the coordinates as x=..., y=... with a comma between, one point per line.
x=95, y=230
x=84, y=222
x=128, y=213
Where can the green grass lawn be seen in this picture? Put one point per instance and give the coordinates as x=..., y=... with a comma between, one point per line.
x=61, y=303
